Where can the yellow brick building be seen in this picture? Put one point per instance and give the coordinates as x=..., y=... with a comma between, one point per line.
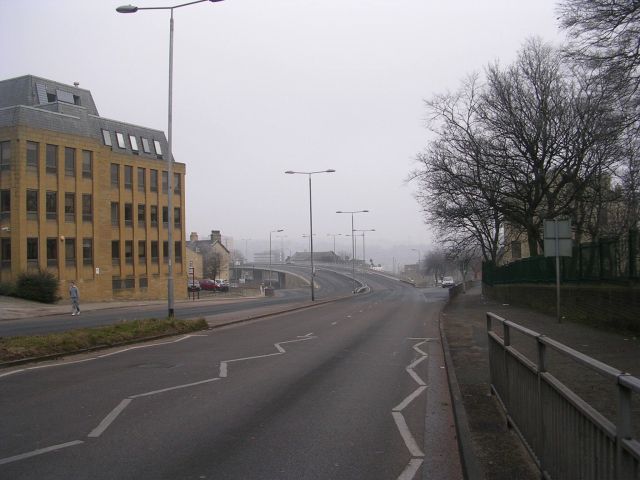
x=85, y=197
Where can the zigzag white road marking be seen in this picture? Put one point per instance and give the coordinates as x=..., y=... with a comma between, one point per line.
x=417, y=455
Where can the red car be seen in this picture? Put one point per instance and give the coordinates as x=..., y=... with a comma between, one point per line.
x=208, y=284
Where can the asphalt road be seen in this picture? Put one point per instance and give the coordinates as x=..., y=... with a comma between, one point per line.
x=329, y=285
x=354, y=389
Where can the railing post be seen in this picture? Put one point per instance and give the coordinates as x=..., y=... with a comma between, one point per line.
x=542, y=367
x=624, y=470
x=507, y=380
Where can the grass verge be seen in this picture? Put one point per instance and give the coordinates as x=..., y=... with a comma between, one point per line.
x=17, y=348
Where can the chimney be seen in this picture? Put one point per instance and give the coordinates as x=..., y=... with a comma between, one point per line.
x=193, y=237
x=216, y=236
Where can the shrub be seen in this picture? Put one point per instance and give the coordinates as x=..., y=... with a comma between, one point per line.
x=7, y=288
x=41, y=287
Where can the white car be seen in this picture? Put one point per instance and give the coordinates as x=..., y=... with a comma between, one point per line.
x=447, y=282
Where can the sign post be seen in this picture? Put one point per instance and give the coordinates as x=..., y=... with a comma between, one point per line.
x=557, y=243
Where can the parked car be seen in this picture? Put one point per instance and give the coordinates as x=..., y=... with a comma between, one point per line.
x=447, y=282
x=223, y=286
x=193, y=286
x=208, y=284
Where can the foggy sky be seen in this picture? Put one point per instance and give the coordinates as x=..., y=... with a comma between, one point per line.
x=264, y=86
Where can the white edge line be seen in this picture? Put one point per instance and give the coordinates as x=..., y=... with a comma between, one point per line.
x=409, y=399
x=178, y=387
x=40, y=451
x=410, y=470
x=108, y=420
x=409, y=441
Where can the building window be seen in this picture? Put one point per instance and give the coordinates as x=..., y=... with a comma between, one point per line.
x=128, y=214
x=87, y=251
x=70, y=252
x=134, y=143
x=176, y=183
x=177, y=221
x=106, y=137
x=5, y=155
x=165, y=252
x=69, y=207
x=128, y=177
x=115, y=252
x=154, y=251
x=32, y=204
x=142, y=251
x=115, y=175
x=51, y=205
x=165, y=182
x=51, y=159
x=32, y=251
x=5, y=252
x=69, y=162
x=516, y=250
x=87, y=164
x=142, y=215
x=165, y=217
x=144, y=283
x=115, y=214
x=178, y=252
x=87, y=207
x=153, y=213
x=5, y=204
x=120, y=139
x=156, y=145
x=32, y=156
x=153, y=180
x=128, y=251
x=145, y=145
x=141, y=179
x=52, y=252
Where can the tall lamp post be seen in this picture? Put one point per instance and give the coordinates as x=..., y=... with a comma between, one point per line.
x=272, y=231
x=291, y=172
x=353, y=245
x=364, y=253
x=134, y=9
x=419, y=260
x=334, y=235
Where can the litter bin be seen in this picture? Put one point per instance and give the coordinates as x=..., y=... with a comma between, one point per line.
x=269, y=291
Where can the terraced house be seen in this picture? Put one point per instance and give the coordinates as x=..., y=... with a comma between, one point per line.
x=85, y=197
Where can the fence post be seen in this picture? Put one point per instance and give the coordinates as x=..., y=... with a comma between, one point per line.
x=506, y=334
x=542, y=367
x=624, y=470
x=633, y=246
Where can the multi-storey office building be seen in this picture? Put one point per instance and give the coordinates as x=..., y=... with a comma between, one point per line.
x=85, y=197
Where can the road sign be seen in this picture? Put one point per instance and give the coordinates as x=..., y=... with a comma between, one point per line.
x=560, y=237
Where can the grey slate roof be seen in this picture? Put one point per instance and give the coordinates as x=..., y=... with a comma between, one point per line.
x=22, y=103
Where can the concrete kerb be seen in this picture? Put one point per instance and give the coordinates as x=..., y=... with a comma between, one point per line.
x=470, y=466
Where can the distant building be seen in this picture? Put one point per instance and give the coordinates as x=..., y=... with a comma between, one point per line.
x=85, y=197
x=277, y=256
x=197, y=250
x=324, y=257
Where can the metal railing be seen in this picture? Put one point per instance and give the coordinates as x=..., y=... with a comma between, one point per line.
x=566, y=436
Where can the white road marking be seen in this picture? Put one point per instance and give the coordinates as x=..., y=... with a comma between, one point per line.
x=415, y=376
x=178, y=387
x=410, y=399
x=104, y=424
x=416, y=362
x=304, y=336
x=40, y=451
x=411, y=469
x=334, y=323
x=409, y=441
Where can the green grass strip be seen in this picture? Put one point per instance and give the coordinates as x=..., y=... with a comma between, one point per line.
x=16, y=348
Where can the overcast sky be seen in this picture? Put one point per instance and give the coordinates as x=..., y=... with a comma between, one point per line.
x=264, y=86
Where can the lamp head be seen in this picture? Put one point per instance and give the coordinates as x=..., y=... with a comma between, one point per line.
x=289, y=172
x=127, y=9
x=331, y=170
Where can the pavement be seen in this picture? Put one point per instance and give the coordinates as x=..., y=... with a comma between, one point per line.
x=491, y=450
x=494, y=450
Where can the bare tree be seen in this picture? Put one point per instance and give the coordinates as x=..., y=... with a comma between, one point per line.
x=211, y=262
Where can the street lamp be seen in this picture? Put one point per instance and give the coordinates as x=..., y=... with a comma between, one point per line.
x=364, y=254
x=334, y=235
x=419, y=259
x=246, y=258
x=134, y=9
x=291, y=172
x=353, y=245
x=272, y=231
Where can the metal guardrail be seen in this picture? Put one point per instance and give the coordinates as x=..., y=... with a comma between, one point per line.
x=566, y=436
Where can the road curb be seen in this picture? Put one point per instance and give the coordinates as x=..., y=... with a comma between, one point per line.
x=470, y=466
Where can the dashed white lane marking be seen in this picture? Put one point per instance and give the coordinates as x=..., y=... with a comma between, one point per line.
x=75, y=362
x=40, y=451
x=411, y=469
x=108, y=420
x=178, y=387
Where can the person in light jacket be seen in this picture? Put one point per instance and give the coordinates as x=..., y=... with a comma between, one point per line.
x=75, y=299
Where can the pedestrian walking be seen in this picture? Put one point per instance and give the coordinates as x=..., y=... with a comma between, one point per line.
x=75, y=299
